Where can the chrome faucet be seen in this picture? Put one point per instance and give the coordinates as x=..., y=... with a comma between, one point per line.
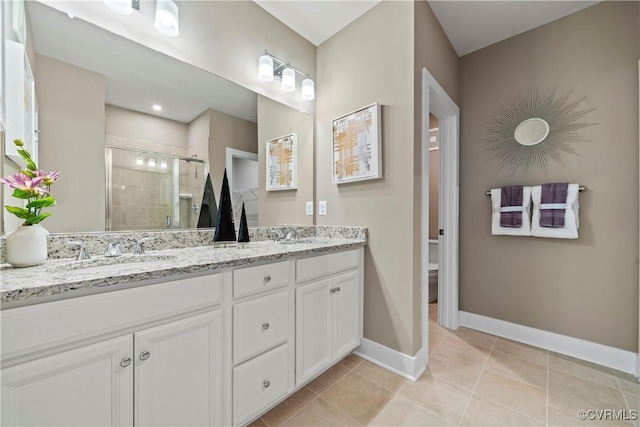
x=139, y=250
x=292, y=234
x=84, y=252
x=113, y=248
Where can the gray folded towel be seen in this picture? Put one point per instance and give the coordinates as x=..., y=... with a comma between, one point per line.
x=553, y=193
x=511, y=196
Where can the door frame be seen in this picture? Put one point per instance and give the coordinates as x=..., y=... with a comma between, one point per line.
x=436, y=101
x=233, y=153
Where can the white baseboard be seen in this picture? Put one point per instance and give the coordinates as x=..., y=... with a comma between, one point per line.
x=410, y=367
x=612, y=357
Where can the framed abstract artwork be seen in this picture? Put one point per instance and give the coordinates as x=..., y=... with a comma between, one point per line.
x=357, y=145
x=282, y=163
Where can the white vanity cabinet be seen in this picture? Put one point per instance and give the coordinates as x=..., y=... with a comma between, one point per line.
x=328, y=311
x=167, y=373
x=263, y=334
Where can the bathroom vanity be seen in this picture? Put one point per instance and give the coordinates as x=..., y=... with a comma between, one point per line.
x=204, y=336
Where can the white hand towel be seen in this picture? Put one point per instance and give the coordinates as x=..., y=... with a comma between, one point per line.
x=496, y=229
x=571, y=215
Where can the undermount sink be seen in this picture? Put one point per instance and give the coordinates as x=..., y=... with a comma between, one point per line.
x=111, y=264
x=293, y=241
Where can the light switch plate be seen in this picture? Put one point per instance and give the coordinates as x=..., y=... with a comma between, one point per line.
x=322, y=207
x=309, y=210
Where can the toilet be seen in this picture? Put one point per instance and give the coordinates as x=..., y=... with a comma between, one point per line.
x=433, y=270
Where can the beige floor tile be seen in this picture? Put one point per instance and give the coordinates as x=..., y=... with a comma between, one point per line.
x=440, y=397
x=329, y=378
x=452, y=346
x=358, y=397
x=584, y=391
x=381, y=376
x=352, y=361
x=457, y=372
x=564, y=412
x=434, y=327
x=289, y=407
x=524, y=398
x=433, y=311
x=628, y=383
x=401, y=412
x=482, y=412
x=475, y=337
x=320, y=413
x=523, y=351
x=258, y=423
x=435, y=339
x=583, y=369
x=519, y=369
x=633, y=402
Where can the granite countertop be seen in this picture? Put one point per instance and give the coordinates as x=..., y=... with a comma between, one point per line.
x=64, y=278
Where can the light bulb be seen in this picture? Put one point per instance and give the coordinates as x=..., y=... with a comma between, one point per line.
x=156, y=107
x=288, y=80
x=265, y=68
x=122, y=7
x=163, y=164
x=307, y=92
x=167, y=19
x=139, y=161
x=151, y=163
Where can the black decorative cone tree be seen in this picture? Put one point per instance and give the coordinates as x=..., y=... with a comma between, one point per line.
x=225, y=229
x=243, y=231
x=208, y=208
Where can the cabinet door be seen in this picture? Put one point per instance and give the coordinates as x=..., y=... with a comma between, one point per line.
x=313, y=329
x=178, y=375
x=346, y=314
x=87, y=386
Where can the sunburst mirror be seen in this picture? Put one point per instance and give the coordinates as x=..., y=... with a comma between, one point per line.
x=535, y=130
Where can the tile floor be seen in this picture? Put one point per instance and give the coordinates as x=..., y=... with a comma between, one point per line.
x=473, y=379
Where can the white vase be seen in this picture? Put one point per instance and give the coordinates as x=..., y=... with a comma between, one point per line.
x=27, y=246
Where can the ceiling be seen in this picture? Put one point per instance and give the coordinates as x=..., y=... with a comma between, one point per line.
x=136, y=77
x=470, y=25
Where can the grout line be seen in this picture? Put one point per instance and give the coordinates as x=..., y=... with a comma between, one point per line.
x=296, y=412
x=377, y=383
x=527, y=360
x=339, y=410
x=547, y=411
x=477, y=382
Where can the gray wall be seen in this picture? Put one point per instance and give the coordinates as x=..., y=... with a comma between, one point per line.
x=288, y=206
x=585, y=288
x=75, y=147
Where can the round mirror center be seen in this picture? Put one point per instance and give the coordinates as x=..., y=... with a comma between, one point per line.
x=531, y=131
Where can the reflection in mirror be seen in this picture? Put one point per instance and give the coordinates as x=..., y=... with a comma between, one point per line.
x=96, y=91
x=531, y=131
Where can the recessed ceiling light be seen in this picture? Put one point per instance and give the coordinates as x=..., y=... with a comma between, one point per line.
x=156, y=107
x=71, y=15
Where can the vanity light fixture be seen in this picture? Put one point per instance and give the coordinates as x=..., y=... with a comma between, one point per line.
x=167, y=21
x=270, y=68
x=123, y=7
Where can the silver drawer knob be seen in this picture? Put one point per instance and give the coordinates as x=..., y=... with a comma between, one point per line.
x=265, y=326
x=125, y=362
x=267, y=279
x=145, y=355
x=266, y=384
x=338, y=289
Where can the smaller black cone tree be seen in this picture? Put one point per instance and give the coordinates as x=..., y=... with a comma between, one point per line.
x=225, y=229
x=208, y=208
x=243, y=232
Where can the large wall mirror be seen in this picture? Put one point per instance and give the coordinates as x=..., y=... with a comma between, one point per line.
x=135, y=133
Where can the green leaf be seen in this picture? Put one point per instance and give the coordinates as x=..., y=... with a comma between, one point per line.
x=19, y=212
x=28, y=173
x=38, y=218
x=41, y=203
x=21, y=194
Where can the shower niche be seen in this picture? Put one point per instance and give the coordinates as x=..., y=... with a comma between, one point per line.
x=152, y=191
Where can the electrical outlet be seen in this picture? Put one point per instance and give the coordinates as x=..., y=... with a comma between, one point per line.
x=309, y=210
x=322, y=207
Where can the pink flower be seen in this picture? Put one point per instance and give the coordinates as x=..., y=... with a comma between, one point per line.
x=48, y=177
x=23, y=182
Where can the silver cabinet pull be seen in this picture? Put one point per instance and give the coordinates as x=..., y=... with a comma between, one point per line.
x=338, y=289
x=265, y=326
x=332, y=290
x=145, y=355
x=267, y=279
x=266, y=383
x=125, y=362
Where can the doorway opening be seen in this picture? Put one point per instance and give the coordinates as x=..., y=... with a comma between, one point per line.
x=242, y=174
x=444, y=126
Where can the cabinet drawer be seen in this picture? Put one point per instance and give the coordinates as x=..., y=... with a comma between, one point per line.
x=324, y=265
x=250, y=280
x=259, y=383
x=259, y=325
